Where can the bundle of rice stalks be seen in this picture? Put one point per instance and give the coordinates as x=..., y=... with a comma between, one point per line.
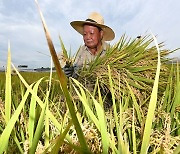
x=131, y=60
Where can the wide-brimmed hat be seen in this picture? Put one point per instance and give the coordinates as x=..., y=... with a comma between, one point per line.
x=97, y=20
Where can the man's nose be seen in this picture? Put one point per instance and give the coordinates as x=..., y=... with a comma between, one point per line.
x=88, y=36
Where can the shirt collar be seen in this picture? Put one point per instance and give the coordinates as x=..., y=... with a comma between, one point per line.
x=104, y=47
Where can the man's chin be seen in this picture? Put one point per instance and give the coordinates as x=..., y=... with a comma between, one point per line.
x=90, y=45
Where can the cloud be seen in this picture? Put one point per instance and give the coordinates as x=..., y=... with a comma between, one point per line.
x=20, y=23
x=160, y=17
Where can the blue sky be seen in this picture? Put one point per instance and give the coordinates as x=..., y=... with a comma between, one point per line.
x=20, y=24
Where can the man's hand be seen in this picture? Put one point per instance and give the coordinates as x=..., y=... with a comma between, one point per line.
x=68, y=70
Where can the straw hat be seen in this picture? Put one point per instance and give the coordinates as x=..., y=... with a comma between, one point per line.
x=97, y=20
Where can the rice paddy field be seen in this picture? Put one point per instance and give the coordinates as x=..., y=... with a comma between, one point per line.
x=104, y=110
x=33, y=110
x=127, y=101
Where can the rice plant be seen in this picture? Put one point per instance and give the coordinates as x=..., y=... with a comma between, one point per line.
x=127, y=101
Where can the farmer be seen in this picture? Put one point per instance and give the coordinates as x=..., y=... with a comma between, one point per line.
x=94, y=33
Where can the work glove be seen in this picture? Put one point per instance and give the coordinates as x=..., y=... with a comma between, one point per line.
x=70, y=71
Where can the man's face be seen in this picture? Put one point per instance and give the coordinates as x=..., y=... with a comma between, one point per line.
x=92, y=36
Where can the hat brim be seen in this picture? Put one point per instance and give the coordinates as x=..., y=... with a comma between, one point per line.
x=108, y=32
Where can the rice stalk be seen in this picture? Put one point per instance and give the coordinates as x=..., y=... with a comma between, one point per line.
x=177, y=93
x=18, y=143
x=136, y=106
x=102, y=122
x=134, y=135
x=7, y=131
x=32, y=113
x=152, y=105
x=84, y=100
x=38, y=130
x=47, y=108
x=65, y=53
x=122, y=146
x=41, y=104
x=63, y=81
x=99, y=122
x=113, y=141
x=169, y=91
x=8, y=88
x=60, y=139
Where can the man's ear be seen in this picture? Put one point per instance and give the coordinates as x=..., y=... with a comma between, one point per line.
x=101, y=34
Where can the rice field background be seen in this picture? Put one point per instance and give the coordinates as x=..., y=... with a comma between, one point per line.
x=34, y=107
x=125, y=102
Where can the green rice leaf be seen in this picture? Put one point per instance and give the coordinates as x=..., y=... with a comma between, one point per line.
x=32, y=112
x=168, y=92
x=60, y=139
x=63, y=80
x=177, y=93
x=102, y=122
x=65, y=53
x=38, y=131
x=47, y=122
x=134, y=135
x=139, y=78
x=51, y=116
x=17, y=142
x=47, y=109
x=113, y=138
x=8, y=88
x=84, y=101
x=115, y=111
x=10, y=125
x=138, y=111
x=140, y=69
x=177, y=150
x=152, y=105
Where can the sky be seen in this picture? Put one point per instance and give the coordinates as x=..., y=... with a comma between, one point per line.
x=20, y=25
